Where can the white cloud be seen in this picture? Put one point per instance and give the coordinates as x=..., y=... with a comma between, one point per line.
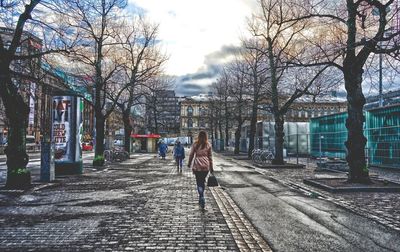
x=192, y=29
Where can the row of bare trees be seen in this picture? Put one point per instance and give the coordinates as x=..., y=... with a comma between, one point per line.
x=304, y=48
x=118, y=51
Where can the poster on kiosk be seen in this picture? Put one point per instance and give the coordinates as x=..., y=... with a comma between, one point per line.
x=67, y=134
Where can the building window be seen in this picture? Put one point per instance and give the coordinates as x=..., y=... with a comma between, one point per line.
x=190, y=111
x=190, y=123
x=202, y=123
x=203, y=112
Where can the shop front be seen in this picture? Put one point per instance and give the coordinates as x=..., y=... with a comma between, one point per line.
x=145, y=142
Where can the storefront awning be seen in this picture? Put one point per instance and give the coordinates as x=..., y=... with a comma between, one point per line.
x=145, y=136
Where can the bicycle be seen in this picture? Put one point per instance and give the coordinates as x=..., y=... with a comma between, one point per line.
x=108, y=155
x=120, y=155
x=262, y=156
x=267, y=156
x=113, y=155
x=255, y=155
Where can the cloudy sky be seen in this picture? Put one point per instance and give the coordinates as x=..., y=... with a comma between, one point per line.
x=198, y=35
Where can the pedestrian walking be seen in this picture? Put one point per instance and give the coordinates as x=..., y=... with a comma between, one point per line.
x=179, y=155
x=163, y=148
x=201, y=155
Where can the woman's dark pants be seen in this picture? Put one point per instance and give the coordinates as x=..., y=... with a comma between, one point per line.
x=200, y=181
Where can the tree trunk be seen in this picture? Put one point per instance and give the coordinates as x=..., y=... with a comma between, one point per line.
x=216, y=133
x=155, y=122
x=227, y=132
x=17, y=112
x=238, y=133
x=127, y=130
x=279, y=139
x=221, y=135
x=356, y=141
x=226, y=123
x=212, y=132
x=17, y=157
x=100, y=121
x=253, y=125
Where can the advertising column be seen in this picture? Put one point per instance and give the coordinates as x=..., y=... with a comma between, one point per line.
x=66, y=134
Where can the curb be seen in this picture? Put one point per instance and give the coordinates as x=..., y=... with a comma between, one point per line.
x=387, y=222
x=247, y=238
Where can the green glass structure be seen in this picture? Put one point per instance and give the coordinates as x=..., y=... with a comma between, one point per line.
x=382, y=130
x=383, y=134
x=327, y=136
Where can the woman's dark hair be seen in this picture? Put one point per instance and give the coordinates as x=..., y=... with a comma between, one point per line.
x=202, y=140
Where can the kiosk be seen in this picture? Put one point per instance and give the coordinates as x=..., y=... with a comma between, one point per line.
x=67, y=133
x=148, y=141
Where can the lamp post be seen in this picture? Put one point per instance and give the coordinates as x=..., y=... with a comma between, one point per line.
x=380, y=81
x=376, y=12
x=320, y=147
x=297, y=143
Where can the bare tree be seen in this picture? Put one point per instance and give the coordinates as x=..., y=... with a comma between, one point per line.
x=220, y=103
x=280, y=37
x=256, y=77
x=99, y=54
x=358, y=30
x=144, y=61
x=237, y=90
x=226, y=82
x=21, y=21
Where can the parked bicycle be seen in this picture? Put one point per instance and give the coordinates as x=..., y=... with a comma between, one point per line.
x=262, y=156
x=115, y=155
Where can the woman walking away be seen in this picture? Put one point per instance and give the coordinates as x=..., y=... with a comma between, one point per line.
x=201, y=155
x=179, y=154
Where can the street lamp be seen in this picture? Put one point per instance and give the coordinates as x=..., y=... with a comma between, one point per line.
x=376, y=12
x=380, y=80
x=320, y=147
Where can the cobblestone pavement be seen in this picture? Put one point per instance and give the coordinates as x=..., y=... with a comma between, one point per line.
x=140, y=204
x=34, y=165
x=383, y=207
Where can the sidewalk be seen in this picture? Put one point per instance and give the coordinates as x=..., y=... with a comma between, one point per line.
x=140, y=204
x=34, y=166
x=380, y=206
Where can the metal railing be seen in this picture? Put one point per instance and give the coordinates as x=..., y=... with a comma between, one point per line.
x=382, y=148
x=262, y=156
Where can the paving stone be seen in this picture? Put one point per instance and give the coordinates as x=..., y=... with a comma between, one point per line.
x=106, y=211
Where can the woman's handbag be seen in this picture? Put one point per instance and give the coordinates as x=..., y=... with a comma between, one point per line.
x=212, y=181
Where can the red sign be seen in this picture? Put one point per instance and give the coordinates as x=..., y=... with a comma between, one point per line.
x=145, y=136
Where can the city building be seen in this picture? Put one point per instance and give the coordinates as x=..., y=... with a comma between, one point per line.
x=389, y=98
x=303, y=109
x=38, y=83
x=163, y=111
x=27, y=74
x=194, y=115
